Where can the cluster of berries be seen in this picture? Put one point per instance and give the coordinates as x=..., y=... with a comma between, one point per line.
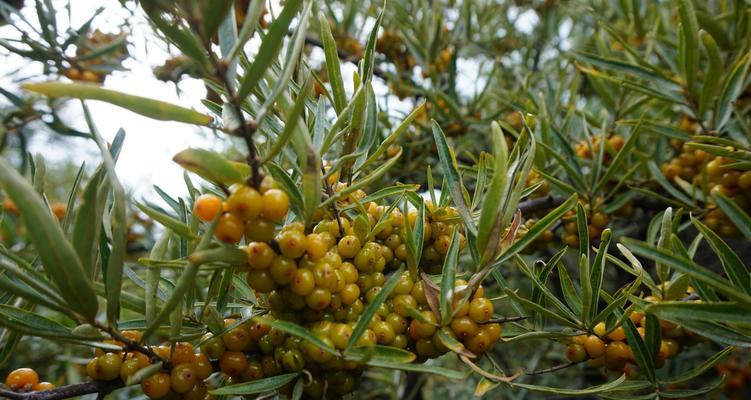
x=597, y=220
x=391, y=44
x=711, y=174
x=104, y=61
x=324, y=279
x=737, y=372
x=612, y=143
x=609, y=348
x=26, y=380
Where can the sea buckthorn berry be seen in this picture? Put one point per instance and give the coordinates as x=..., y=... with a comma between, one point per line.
x=275, y=205
x=442, y=244
x=464, y=327
x=303, y=282
x=600, y=220
x=183, y=377
x=349, y=246
x=202, y=366
x=419, y=329
x=229, y=229
x=261, y=281
x=108, y=366
x=479, y=343
x=260, y=255
x=397, y=322
x=576, y=352
x=21, y=379
x=318, y=299
x=233, y=363
x=132, y=335
x=91, y=370
x=493, y=330
x=616, y=355
x=259, y=230
x=315, y=353
x=636, y=317
x=425, y=348
x=42, y=386
x=595, y=346
x=384, y=332
x=183, y=353
x=236, y=339
x=403, y=285
x=293, y=361
x=156, y=386
x=599, y=329
x=207, y=206
x=129, y=367
x=618, y=334
x=212, y=346
x=402, y=303
x=253, y=372
x=481, y=310
x=283, y=270
x=269, y=366
x=316, y=246
x=349, y=294
x=291, y=243
x=324, y=276
x=244, y=203
x=340, y=335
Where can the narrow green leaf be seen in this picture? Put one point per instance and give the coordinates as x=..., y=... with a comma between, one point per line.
x=713, y=76
x=175, y=225
x=298, y=331
x=642, y=354
x=257, y=386
x=451, y=172
x=58, y=256
x=270, y=46
x=735, y=214
x=491, y=207
x=448, y=278
x=734, y=267
x=573, y=392
x=209, y=165
x=731, y=89
x=140, y=105
x=690, y=50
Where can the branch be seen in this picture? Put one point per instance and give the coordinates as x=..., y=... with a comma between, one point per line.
x=552, y=369
x=540, y=203
x=65, y=392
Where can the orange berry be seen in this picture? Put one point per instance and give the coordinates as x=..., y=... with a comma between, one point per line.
x=576, y=352
x=183, y=377
x=207, y=206
x=595, y=346
x=260, y=255
x=22, y=379
x=42, y=386
x=156, y=386
x=275, y=205
x=229, y=228
x=233, y=363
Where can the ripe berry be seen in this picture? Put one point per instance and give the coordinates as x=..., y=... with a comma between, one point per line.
x=202, y=367
x=403, y=302
x=616, y=355
x=425, y=348
x=198, y=392
x=481, y=310
x=291, y=243
x=316, y=246
x=293, y=361
x=595, y=346
x=42, y=386
x=349, y=246
x=233, y=363
x=156, y=386
x=259, y=230
x=618, y=334
x=493, y=330
x=384, y=332
x=576, y=352
x=419, y=329
x=183, y=353
x=212, y=346
x=340, y=335
x=464, y=327
x=261, y=281
x=275, y=205
x=244, y=203
x=303, y=282
x=253, y=372
x=260, y=255
x=479, y=343
x=107, y=367
x=349, y=294
x=236, y=339
x=183, y=377
x=318, y=299
x=207, y=206
x=283, y=270
x=325, y=276
x=21, y=379
x=229, y=229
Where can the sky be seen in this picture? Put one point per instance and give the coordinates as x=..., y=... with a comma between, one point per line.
x=150, y=144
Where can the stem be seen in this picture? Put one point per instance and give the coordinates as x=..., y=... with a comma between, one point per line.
x=552, y=369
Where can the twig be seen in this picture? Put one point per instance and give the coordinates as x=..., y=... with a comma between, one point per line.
x=540, y=203
x=506, y=319
x=552, y=369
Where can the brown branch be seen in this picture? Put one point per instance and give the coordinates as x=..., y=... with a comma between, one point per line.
x=506, y=319
x=540, y=203
x=552, y=369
